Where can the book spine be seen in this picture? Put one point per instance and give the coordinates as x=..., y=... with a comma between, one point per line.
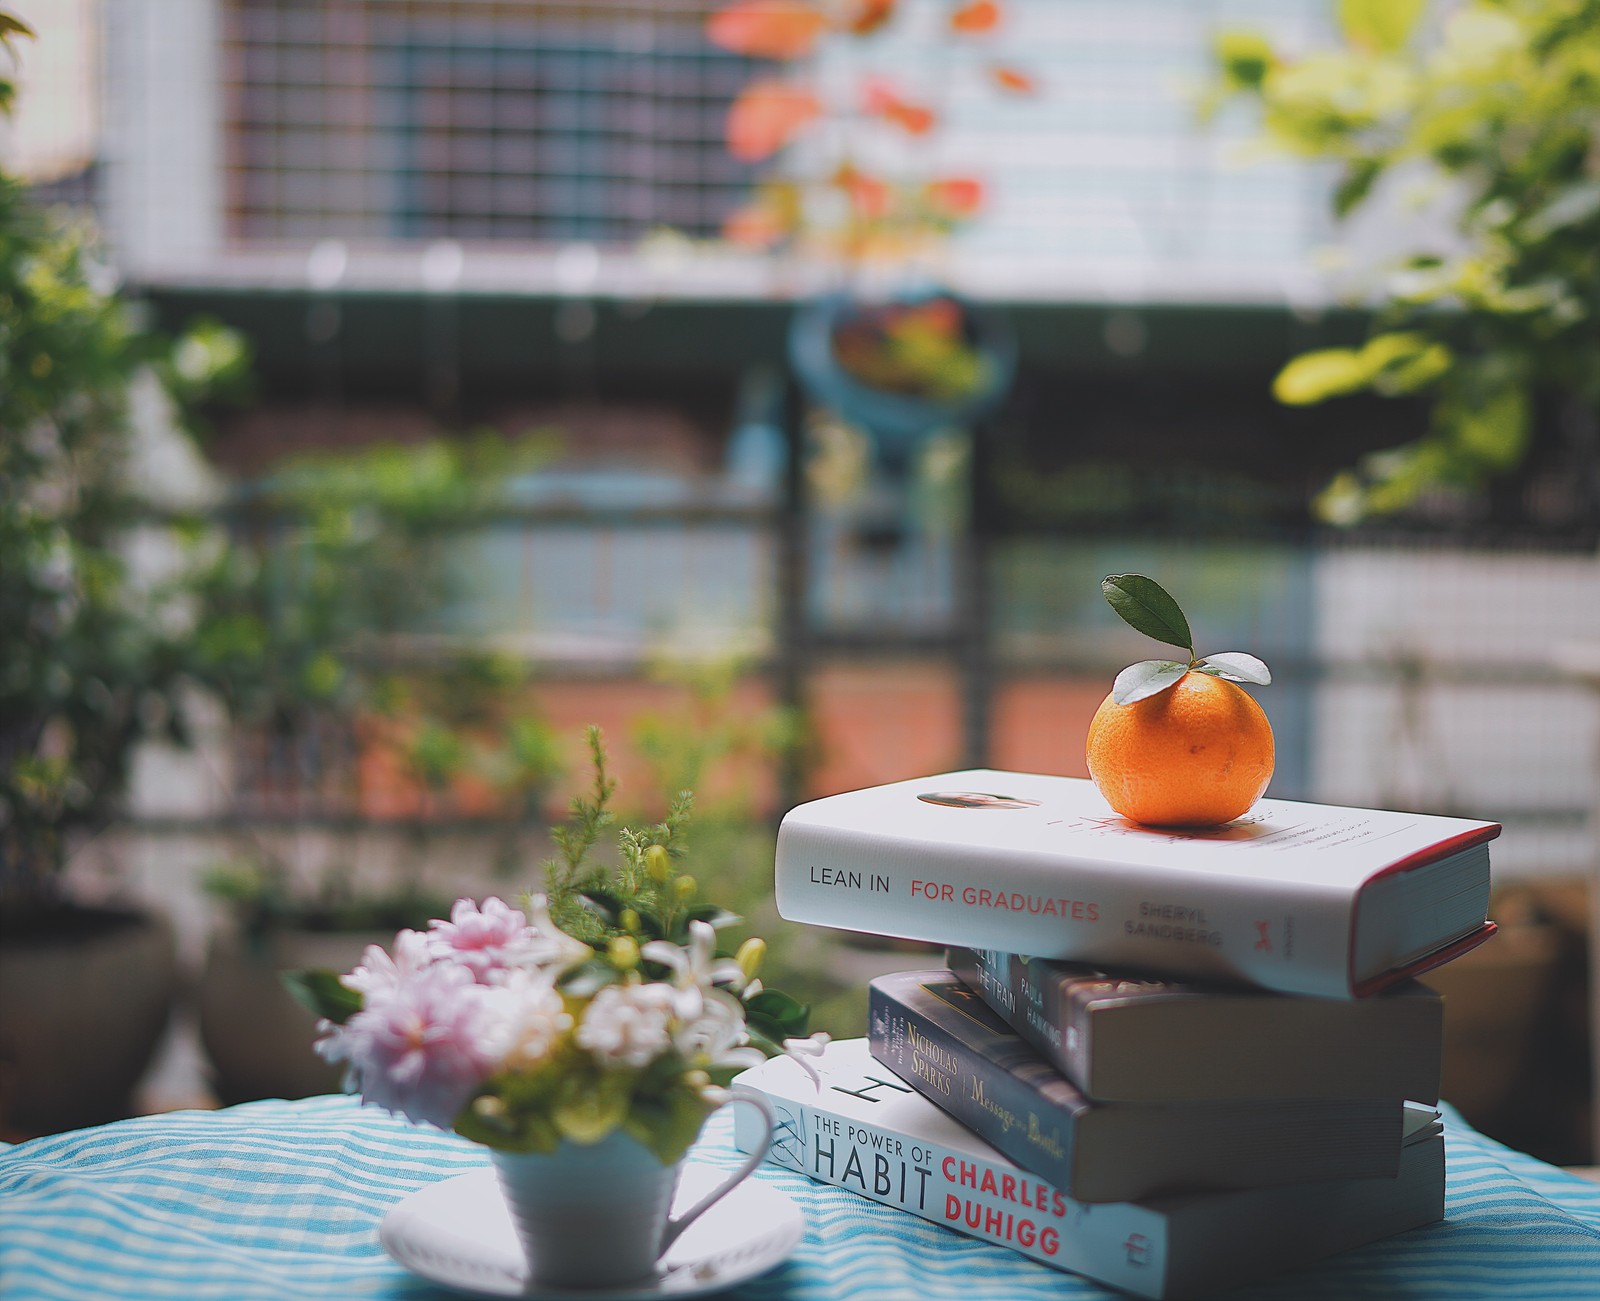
x=1036, y=1009
x=999, y=1108
x=1289, y=937
x=1123, y=1245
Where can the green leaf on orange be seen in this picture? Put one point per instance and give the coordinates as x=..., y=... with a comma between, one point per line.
x=1236, y=666
x=1145, y=679
x=1144, y=605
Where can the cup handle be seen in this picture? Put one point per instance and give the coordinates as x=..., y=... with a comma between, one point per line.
x=677, y=1224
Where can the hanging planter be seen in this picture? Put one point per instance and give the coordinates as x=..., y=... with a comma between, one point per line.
x=905, y=368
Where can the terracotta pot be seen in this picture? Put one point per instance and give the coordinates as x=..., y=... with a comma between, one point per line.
x=84, y=999
x=259, y=1040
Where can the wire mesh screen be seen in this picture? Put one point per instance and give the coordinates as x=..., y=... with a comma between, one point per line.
x=417, y=119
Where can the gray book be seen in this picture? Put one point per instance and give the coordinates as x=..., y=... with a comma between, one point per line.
x=942, y=1039
x=1127, y=1038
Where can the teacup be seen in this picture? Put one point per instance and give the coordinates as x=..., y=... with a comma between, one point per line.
x=598, y=1215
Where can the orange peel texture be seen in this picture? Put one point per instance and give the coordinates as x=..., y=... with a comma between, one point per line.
x=1195, y=755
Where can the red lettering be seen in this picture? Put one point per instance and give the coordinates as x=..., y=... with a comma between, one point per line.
x=946, y=1166
x=1050, y=1242
x=1008, y=1187
x=988, y=1185
x=1025, y=1232
x=952, y=1203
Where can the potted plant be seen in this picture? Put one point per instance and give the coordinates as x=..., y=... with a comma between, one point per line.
x=321, y=635
x=903, y=363
x=97, y=654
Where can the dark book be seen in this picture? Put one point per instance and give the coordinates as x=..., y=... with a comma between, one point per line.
x=944, y=1040
x=1118, y=1037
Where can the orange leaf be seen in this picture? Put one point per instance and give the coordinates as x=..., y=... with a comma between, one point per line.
x=754, y=226
x=882, y=99
x=870, y=197
x=765, y=117
x=868, y=15
x=767, y=29
x=981, y=16
x=956, y=196
x=1012, y=79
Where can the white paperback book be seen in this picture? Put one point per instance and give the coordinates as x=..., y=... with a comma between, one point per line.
x=865, y=1129
x=1297, y=897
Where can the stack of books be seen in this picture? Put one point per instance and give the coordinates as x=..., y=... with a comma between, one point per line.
x=1213, y=1062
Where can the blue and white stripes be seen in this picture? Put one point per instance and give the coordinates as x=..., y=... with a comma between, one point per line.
x=283, y=1199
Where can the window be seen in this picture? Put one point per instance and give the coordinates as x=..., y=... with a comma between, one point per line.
x=514, y=120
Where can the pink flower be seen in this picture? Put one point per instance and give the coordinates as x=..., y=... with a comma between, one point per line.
x=493, y=938
x=378, y=974
x=423, y=1048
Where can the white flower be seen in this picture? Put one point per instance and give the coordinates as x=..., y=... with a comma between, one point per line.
x=529, y=1018
x=797, y=1050
x=628, y=1025
x=696, y=967
x=716, y=1035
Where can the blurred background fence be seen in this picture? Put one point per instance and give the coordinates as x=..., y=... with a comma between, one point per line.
x=432, y=217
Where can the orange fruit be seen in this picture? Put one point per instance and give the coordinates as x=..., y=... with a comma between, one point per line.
x=1197, y=754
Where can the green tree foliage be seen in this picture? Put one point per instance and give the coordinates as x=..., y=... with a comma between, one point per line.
x=94, y=654
x=1496, y=105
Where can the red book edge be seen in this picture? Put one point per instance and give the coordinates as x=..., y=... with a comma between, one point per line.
x=1427, y=962
x=1441, y=849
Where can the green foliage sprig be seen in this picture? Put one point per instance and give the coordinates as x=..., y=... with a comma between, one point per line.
x=1498, y=108
x=645, y=895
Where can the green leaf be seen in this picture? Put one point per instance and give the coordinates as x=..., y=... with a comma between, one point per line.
x=1143, y=604
x=604, y=905
x=1145, y=679
x=1236, y=666
x=1493, y=431
x=774, y=1007
x=1356, y=183
x=1245, y=59
x=1315, y=376
x=1380, y=24
x=714, y=916
x=1576, y=203
x=320, y=991
x=589, y=978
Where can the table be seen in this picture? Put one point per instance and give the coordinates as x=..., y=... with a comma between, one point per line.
x=282, y=1200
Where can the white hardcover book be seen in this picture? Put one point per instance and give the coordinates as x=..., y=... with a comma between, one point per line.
x=1302, y=898
x=866, y=1130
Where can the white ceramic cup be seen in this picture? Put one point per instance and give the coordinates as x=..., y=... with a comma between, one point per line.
x=598, y=1215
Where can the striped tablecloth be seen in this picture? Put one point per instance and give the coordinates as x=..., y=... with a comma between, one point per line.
x=283, y=1199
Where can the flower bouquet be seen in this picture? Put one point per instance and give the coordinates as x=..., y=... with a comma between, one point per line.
x=583, y=1038
x=498, y=1024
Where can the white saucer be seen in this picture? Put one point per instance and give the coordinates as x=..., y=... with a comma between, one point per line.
x=458, y=1233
